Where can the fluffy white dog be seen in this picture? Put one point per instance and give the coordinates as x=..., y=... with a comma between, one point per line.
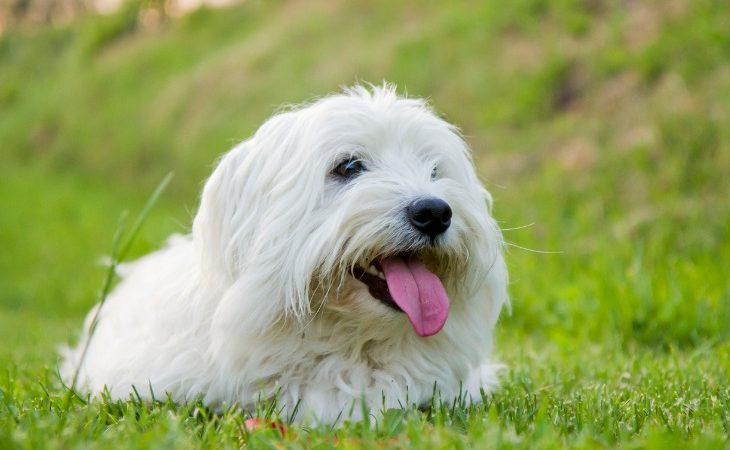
x=344, y=253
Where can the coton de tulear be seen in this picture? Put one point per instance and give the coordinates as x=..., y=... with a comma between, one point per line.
x=345, y=253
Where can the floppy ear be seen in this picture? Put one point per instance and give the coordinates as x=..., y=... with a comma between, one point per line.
x=213, y=223
x=255, y=250
x=246, y=306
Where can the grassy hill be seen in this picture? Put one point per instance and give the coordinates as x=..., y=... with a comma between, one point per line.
x=601, y=128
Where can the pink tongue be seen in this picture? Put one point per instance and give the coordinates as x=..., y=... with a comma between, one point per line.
x=418, y=292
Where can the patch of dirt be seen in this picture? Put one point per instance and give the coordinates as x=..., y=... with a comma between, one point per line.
x=641, y=135
x=521, y=53
x=577, y=155
x=569, y=89
x=616, y=91
x=642, y=25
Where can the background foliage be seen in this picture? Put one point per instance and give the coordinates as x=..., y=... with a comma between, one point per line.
x=601, y=128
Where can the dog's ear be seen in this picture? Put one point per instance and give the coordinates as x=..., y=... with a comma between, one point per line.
x=249, y=230
x=213, y=223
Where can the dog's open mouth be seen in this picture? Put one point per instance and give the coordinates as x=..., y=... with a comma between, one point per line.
x=404, y=283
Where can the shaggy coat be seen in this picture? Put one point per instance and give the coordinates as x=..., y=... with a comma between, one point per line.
x=262, y=299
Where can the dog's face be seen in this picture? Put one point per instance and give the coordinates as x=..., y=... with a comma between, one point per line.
x=362, y=203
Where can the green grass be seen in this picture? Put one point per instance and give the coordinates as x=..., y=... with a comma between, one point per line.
x=600, y=128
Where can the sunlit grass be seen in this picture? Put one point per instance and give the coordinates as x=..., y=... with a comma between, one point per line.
x=600, y=130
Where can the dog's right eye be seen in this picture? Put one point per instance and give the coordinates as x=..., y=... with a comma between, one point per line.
x=349, y=168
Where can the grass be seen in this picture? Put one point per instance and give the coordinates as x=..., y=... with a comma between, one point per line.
x=600, y=128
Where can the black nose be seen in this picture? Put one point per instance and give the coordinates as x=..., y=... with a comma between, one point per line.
x=431, y=216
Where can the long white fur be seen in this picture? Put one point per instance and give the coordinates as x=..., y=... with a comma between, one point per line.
x=259, y=301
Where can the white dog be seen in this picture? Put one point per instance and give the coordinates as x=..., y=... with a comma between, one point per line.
x=344, y=253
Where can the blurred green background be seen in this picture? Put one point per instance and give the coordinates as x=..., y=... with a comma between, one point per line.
x=599, y=126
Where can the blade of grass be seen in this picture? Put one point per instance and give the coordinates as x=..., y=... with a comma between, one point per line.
x=118, y=253
x=151, y=201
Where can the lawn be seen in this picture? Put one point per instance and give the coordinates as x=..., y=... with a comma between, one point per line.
x=601, y=129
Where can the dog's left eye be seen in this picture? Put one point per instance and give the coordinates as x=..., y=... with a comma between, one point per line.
x=349, y=168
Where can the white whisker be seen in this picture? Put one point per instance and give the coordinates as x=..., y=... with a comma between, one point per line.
x=543, y=252
x=522, y=227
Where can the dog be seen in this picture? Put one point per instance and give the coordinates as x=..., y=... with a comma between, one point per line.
x=342, y=260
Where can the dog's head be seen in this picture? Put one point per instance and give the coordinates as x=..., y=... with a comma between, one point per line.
x=362, y=202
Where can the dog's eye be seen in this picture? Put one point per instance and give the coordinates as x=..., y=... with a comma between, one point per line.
x=434, y=173
x=349, y=168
